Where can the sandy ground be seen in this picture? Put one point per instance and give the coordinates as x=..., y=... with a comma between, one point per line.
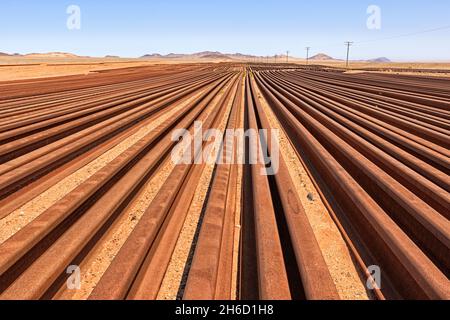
x=400, y=65
x=337, y=256
x=20, y=68
x=367, y=64
x=12, y=68
x=391, y=67
x=427, y=74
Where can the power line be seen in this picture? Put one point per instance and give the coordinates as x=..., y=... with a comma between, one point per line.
x=348, y=44
x=307, y=55
x=389, y=38
x=405, y=35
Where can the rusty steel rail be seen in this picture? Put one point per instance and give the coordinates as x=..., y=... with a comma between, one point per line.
x=210, y=275
x=375, y=146
x=112, y=182
x=395, y=225
x=34, y=165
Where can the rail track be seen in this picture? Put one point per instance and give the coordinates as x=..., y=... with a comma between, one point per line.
x=376, y=148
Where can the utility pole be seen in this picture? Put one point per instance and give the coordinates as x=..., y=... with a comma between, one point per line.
x=348, y=44
x=307, y=55
x=287, y=56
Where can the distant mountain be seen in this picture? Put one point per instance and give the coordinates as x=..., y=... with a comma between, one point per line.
x=198, y=55
x=205, y=55
x=241, y=56
x=215, y=56
x=249, y=57
x=174, y=56
x=380, y=60
x=321, y=57
x=3, y=54
x=153, y=55
x=52, y=55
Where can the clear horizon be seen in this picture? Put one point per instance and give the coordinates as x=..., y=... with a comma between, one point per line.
x=263, y=28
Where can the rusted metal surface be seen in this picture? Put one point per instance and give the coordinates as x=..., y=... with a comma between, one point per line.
x=376, y=147
x=400, y=226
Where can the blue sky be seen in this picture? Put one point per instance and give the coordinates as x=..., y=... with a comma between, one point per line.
x=265, y=27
